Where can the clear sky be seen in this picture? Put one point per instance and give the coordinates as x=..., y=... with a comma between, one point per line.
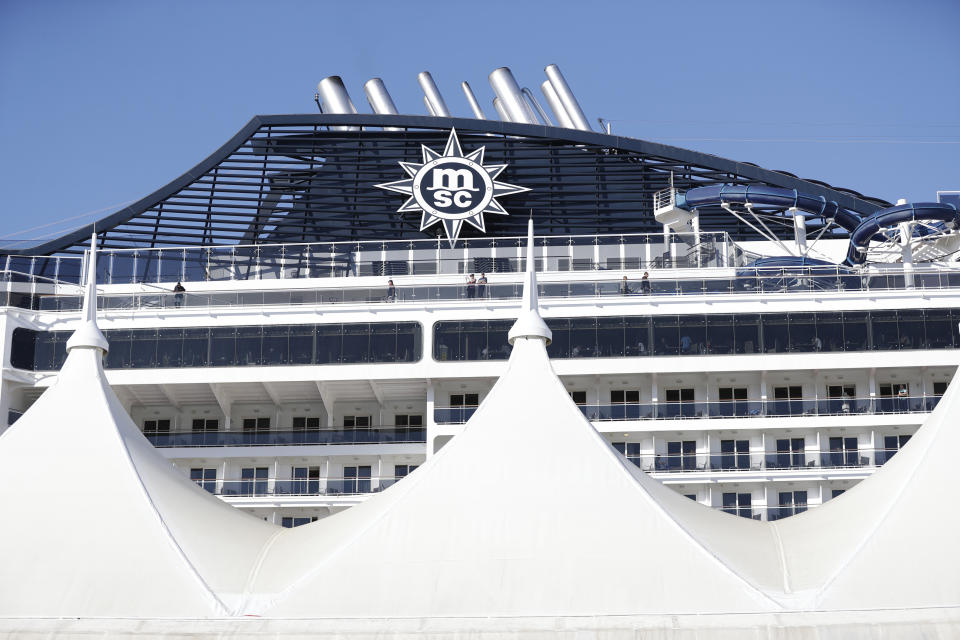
x=102, y=102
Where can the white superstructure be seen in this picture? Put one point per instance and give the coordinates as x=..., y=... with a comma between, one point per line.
x=766, y=401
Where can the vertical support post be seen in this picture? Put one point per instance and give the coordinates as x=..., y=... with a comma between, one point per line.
x=695, y=223
x=799, y=231
x=431, y=430
x=654, y=393
x=666, y=246
x=763, y=392
x=906, y=252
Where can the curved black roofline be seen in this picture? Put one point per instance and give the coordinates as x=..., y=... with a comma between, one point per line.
x=575, y=136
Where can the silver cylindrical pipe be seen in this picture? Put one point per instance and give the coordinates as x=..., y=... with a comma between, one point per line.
x=472, y=99
x=555, y=105
x=567, y=98
x=432, y=94
x=430, y=110
x=498, y=105
x=380, y=100
x=532, y=101
x=507, y=89
x=335, y=99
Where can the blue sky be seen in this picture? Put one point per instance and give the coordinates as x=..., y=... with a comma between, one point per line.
x=102, y=102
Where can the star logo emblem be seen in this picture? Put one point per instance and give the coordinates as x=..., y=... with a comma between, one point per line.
x=452, y=188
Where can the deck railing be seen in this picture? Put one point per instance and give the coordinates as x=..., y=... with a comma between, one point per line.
x=730, y=409
x=745, y=282
x=274, y=438
x=794, y=460
x=395, y=258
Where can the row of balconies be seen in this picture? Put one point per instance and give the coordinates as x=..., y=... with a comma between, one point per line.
x=758, y=503
x=597, y=413
x=839, y=458
x=731, y=409
x=374, y=435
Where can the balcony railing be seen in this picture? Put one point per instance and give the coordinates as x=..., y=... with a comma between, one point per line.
x=745, y=282
x=395, y=258
x=762, y=461
x=376, y=435
x=299, y=487
x=765, y=512
x=730, y=409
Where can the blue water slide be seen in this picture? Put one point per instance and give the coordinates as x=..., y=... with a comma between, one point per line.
x=870, y=227
x=767, y=196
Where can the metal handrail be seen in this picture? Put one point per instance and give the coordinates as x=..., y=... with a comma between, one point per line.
x=806, y=407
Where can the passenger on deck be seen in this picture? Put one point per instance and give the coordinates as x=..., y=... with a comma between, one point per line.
x=178, y=294
x=624, y=287
x=471, y=286
x=482, y=286
x=645, y=283
x=391, y=291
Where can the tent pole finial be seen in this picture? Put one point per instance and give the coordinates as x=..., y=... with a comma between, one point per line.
x=529, y=324
x=89, y=335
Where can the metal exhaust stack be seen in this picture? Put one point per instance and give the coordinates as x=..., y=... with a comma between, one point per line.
x=498, y=106
x=532, y=101
x=555, y=105
x=567, y=98
x=380, y=100
x=508, y=91
x=431, y=94
x=472, y=99
x=336, y=99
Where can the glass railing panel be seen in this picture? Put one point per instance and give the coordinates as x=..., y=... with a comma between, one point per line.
x=733, y=461
x=735, y=409
x=788, y=460
x=672, y=410
x=288, y=437
x=452, y=415
x=843, y=458
x=718, y=285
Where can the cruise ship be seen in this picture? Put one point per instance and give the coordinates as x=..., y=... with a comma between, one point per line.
x=308, y=314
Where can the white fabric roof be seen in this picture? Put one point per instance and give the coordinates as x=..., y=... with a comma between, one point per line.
x=97, y=523
x=527, y=521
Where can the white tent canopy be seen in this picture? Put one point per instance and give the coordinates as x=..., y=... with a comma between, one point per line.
x=97, y=523
x=527, y=522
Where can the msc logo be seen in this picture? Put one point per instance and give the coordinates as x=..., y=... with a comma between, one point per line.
x=452, y=188
x=448, y=186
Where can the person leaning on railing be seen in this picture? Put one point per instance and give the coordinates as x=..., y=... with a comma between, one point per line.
x=178, y=294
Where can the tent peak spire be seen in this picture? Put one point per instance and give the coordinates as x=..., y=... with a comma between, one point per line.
x=529, y=324
x=88, y=335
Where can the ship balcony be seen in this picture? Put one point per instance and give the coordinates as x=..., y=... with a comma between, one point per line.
x=731, y=409
x=273, y=487
x=855, y=461
x=274, y=438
